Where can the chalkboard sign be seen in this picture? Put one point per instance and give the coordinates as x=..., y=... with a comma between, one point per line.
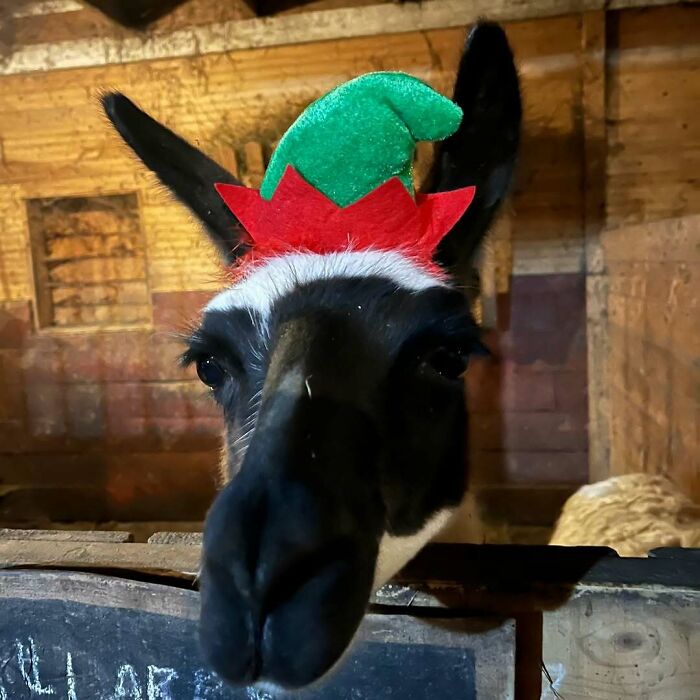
x=90, y=637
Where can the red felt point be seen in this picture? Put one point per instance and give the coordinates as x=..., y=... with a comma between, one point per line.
x=300, y=218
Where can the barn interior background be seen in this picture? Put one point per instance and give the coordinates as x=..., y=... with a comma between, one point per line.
x=589, y=284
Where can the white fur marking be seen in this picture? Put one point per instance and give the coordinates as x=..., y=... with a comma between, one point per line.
x=279, y=276
x=394, y=552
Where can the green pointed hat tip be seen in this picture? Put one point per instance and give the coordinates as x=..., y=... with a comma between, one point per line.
x=363, y=133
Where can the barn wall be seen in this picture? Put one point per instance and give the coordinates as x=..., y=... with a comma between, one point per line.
x=100, y=423
x=653, y=275
x=643, y=287
x=107, y=414
x=652, y=105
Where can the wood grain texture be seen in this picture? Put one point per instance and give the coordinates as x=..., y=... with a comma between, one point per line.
x=653, y=100
x=598, y=356
x=594, y=130
x=166, y=560
x=645, y=309
x=89, y=261
x=194, y=538
x=320, y=25
x=66, y=535
x=57, y=144
x=623, y=644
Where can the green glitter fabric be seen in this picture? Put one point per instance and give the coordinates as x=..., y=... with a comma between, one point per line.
x=363, y=133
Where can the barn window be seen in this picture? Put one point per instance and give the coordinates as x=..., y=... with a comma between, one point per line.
x=89, y=261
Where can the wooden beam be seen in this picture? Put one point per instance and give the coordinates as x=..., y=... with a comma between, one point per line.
x=594, y=186
x=598, y=342
x=305, y=27
x=112, y=536
x=593, y=126
x=46, y=7
x=178, y=560
x=137, y=13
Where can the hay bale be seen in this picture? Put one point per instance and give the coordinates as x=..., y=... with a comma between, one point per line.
x=632, y=514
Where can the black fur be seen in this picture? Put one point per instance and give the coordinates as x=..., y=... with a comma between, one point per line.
x=483, y=152
x=182, y=168
x=325, y=473
x=344, y=408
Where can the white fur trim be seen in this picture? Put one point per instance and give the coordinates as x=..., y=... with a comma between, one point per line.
x=279, y=276
x=395, y=552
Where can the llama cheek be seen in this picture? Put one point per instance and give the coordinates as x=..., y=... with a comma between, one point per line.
x=396, y=551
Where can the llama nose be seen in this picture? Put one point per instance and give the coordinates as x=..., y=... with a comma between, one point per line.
x=268, y=536
x=272, y=577
x=290, y=546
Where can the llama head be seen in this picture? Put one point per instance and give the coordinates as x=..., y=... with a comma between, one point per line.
x=339, y=373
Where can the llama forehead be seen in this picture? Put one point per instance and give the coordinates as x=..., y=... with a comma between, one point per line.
x=260, y=290
x=336, y=316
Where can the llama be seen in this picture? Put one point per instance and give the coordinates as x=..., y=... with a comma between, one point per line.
x=340, y=378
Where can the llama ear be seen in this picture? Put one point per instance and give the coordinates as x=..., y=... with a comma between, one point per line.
x=483, y=150
x=183, y=169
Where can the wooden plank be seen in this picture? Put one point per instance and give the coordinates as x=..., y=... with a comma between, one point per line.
x=254, y=160
x=598, y=354
x=36, y=8
x=495, y=268
x=515, y=569
x=593, y=110
x=653, y=100
x=176, y=538
x=167, y=560
x=137, y=531
x=488, y=571
x=672, y=240
x=631, y=644
x=54, y=20
x=646, y=379
x=58, y=620
x=66, y=535
x=292, y=29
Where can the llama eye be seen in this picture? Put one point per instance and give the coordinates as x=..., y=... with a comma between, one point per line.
x=210, y=372
x=449, y=364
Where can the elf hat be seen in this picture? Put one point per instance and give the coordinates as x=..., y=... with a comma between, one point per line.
x=341, y=177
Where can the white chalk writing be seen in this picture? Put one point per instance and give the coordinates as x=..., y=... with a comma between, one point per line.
x=206, y=685
x=159, y=681
x=28, y=662
x=70, y=677
x=128, y=685
x=258, y=694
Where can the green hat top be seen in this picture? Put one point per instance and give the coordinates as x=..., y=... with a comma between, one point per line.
x=361, y=134
x=341, y=178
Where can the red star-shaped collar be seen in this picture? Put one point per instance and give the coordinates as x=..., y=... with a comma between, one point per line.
x=299, y=218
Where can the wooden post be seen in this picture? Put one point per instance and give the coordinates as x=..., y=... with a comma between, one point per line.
x=594, y=143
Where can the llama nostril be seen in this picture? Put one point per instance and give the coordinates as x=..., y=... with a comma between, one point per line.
x=278, y=584
x=229, y=628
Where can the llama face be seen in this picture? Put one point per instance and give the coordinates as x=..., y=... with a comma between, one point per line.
x=339, y=378
x=337, y=394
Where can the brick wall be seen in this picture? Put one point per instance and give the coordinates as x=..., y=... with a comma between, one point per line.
x=528, y=402
x=104, y=425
